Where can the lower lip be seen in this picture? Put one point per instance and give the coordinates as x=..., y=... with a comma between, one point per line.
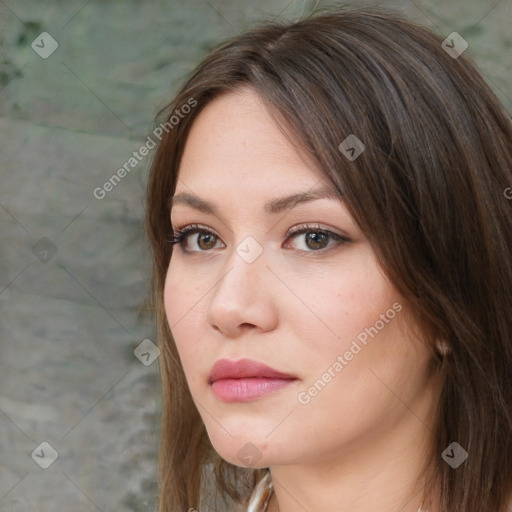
x=245, y=390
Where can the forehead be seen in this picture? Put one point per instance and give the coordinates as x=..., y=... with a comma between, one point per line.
x=234, y=139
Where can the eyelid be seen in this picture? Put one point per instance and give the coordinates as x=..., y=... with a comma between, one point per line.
x=299, y=228
x=292, y=231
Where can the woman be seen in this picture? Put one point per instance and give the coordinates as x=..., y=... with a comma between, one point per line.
x=332, y=274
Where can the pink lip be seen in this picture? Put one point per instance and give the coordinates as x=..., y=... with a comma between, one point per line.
x=245, y=380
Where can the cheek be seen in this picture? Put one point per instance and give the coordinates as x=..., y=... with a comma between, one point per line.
x=185, y=292
x=177, y=296
x=342, y=302
x=183, y=310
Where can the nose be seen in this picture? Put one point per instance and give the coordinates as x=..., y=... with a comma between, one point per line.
x=242, y=301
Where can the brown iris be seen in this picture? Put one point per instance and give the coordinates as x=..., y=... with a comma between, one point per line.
x=316, y=240
x=209, y=240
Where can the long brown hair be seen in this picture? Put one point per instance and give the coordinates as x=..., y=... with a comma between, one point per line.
x=428, y=192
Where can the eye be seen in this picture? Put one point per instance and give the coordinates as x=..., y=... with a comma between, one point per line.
x=316, y=238
x=205, y=238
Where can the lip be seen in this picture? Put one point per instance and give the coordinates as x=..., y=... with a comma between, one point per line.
x=245, y=380
x=243, y=369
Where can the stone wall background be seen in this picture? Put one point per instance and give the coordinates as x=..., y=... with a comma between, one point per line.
x=74, y=268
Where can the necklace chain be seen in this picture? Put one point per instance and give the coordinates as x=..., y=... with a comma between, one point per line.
x=279, y=510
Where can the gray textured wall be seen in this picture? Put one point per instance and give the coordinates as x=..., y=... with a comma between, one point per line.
x=74, y=268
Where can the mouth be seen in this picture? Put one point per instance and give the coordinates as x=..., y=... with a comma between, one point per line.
x=245, y=380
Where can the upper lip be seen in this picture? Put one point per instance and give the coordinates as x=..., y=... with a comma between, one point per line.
x=244, y=368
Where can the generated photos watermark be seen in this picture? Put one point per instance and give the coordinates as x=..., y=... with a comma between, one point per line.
x=454, y=455
x=137, y=156
x=305, y=397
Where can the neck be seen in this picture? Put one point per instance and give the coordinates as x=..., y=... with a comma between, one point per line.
x=382, y=473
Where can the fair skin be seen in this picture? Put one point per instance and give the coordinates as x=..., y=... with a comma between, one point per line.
x=359, y=443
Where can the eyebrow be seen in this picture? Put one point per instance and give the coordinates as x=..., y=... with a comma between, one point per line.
x=274, y=206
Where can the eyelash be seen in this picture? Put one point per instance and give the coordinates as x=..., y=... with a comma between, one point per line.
x=182, y=232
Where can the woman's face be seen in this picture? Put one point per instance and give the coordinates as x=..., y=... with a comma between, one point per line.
x=313, y=305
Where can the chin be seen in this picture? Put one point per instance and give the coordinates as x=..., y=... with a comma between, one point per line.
x=250, y=450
